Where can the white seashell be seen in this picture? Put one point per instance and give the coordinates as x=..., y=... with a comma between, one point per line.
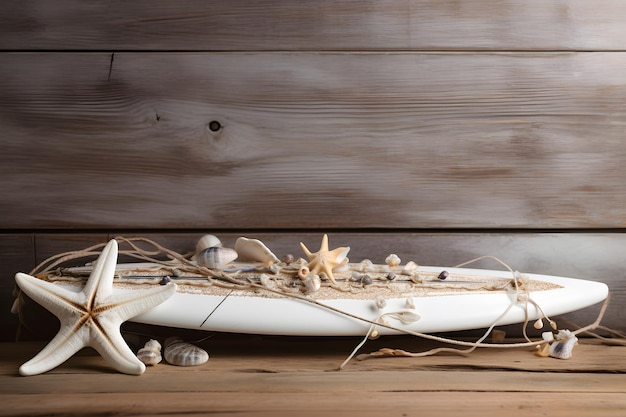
x=266, y=281
x=150, y=354
x=312, y=283
x=392, y=260
x=381, y=303
x=409, y=268
x=215, y=257
x=254, y=250
x=563, y=347
x=365, y=265
x=181, y=353
x=207, y=241
x=410, y=303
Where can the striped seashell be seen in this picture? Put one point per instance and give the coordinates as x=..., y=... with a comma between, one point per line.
x=150, y=354
x=207, y=241
x=180, y=353
x=563, y=347
x=215, y=257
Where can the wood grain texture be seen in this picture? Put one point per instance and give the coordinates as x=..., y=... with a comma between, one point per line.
x=593, y=256
x=277, y=376
x=322, y=25
x=17, y=253
x=335, y=140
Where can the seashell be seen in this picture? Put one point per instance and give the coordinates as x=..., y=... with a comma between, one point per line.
x=215, y=257
x=410, y=303
x=312, y=283
x=266, y=281
x=303, y=272
x=392, y=260
x=254, y=250
x=409, y=268
x=181, y=353
x=563, y=347
x=366, y=280
x=381, y=303
x=366, y=265
x=207, y=241
x=150, y=354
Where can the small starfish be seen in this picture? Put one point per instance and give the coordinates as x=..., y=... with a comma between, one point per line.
x=325, y=260
x=91, y=317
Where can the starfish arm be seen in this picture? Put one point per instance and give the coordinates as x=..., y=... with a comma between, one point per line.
x=65, y=344
x=132, y=303
x=59, y=301
x=340, y=254
x=324, y=245
x=306, y=251
x=100, y=282
x=107, y=340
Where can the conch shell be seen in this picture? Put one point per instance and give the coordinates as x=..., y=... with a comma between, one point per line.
x=150, y=354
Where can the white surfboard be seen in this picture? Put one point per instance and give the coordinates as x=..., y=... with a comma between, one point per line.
x=466, y=299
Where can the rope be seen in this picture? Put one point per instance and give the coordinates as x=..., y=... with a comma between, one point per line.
x=230, y=280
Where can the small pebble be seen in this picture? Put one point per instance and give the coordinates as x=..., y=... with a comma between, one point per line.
x=166, y=280
x=391, y=276
x=443, y=275
x=366, y=280
x=288, y=258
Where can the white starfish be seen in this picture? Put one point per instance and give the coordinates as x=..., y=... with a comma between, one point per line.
x=91, y=317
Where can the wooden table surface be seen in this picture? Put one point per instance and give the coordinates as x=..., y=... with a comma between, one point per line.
x=279, y=376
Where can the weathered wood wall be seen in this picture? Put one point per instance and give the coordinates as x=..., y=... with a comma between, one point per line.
x=446, y=129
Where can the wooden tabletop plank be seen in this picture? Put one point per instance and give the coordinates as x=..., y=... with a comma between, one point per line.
x=252, y=375
x=475, y=404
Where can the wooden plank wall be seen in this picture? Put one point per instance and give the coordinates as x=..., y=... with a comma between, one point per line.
x=443, y=130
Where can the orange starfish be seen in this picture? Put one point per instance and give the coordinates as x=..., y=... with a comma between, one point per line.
x=325, y=260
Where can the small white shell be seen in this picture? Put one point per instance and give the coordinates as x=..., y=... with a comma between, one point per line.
x=563, y=347
x=254, y=250
x=150, y=354
x=409, y=268
x=392, y=260
x=207, y=241
x=215, y=257
x=312, y=283
x=180, y=353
